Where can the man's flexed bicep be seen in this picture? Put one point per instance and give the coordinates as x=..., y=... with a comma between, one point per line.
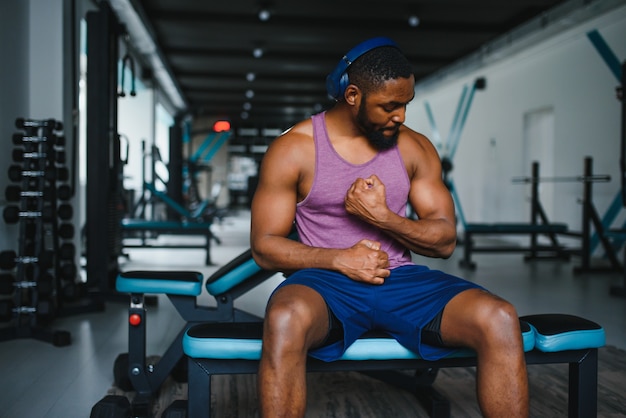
x=274, y=206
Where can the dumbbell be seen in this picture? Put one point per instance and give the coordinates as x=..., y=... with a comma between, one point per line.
x=67, y=251
x=19, y=156
x=21, y=123
x=45, y=284
x=14, y=193
x=45, y=309
x=64, y=192
x=66, y=231
x=65, y=211
x=9, y=259
x=68, y=271
x=52, y=139
x=12, y=214
x=16, y=173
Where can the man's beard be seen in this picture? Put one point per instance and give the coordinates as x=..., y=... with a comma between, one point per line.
x=376, y=137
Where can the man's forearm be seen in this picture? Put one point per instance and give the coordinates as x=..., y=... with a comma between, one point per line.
x=427, y=237
x=284, y=254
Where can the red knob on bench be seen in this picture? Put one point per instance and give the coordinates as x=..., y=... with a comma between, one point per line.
x=134, y=319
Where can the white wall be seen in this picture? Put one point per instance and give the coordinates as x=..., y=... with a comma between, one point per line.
x=31, y=77
x=564, y=73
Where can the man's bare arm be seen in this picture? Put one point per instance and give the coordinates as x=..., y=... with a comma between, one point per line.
x=433, y=234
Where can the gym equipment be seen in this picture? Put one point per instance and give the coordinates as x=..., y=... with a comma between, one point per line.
x=191, y=223
x=112, y=406
x=16, y=173
x=223, y=340
x=9, y=259
x=12, y=214
x=539, y=225
x=50, y=138
x=50, y=124
x=44, y=285
x=32, y=288
x=337, y=80
x=182, y=288
x=217, y=348
x=131, y=227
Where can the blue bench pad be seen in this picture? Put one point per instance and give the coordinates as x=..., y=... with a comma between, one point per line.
x=244, y=341
x=560, y=332
x=187, y=283
x=218, y=284
x=515, y=228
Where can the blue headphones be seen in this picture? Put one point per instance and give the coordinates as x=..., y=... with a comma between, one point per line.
x=337, y=80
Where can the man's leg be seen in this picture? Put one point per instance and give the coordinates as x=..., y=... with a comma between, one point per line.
x=490, y=326
x=296, y=320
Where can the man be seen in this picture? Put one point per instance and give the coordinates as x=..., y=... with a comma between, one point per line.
x=345, y=178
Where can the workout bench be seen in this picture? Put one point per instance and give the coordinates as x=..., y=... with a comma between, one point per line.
x=533, y=250
x=131, y=370
x=215, y=349
x=539, y=225
x=133, y=227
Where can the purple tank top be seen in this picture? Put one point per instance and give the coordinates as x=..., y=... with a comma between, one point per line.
x=321, y=218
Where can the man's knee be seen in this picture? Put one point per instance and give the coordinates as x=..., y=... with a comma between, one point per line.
x=475, y=318
x=498, y=322
x=295, y=322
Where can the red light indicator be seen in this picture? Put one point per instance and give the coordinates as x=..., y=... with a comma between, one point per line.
x=221, y=126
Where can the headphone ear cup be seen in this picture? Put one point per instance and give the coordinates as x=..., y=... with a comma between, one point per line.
x=344, y=81
x=331, y=87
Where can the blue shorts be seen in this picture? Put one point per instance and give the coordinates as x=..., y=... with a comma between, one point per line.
x=408, y=300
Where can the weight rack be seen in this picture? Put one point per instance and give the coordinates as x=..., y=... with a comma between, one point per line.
x=29, y=278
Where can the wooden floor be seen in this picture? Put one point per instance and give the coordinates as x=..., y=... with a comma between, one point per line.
x=40, y=380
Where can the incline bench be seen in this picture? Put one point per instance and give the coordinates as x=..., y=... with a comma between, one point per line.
x=131, y=370
x=222, y=341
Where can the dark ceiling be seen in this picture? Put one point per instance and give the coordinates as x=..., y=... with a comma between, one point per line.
x=209, y=46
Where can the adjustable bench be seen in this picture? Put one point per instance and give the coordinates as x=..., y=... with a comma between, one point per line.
x=534, y=249
x=215, y=349
x=131, y=370
x=133, y=227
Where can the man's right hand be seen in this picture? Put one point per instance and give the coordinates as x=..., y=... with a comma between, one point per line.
x=364, y=262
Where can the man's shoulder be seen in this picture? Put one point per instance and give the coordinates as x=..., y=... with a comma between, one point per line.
x=301, y=134
x=412, y=140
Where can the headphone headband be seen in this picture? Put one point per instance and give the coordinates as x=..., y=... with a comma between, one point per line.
x=337, y=80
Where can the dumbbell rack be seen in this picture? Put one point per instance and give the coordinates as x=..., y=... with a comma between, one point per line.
x=32, y=272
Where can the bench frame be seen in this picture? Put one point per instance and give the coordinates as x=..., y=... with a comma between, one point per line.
x=583, y=376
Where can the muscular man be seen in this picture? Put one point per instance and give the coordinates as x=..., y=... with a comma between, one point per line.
x=345, y=177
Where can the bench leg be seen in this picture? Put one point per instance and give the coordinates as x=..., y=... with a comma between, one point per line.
x=199, y=404
x=467, y=262
x=583, y=386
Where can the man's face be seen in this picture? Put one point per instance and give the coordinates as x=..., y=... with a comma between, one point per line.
x=382, y=112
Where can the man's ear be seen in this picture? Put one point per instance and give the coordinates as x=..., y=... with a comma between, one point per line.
x=351, y=95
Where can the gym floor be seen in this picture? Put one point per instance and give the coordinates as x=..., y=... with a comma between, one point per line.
x=40, y=380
